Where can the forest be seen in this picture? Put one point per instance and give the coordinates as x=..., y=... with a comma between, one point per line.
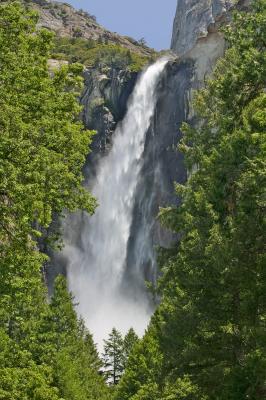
x=207, y=338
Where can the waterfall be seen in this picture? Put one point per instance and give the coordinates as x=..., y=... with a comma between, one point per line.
x=96, y=269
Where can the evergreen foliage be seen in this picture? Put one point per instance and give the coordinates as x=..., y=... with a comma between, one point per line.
x=117, y=351
x=130, y=340
x=45, y=351
x=113, y=357
x=75, y=360
x=43, y=145
x=207, y=339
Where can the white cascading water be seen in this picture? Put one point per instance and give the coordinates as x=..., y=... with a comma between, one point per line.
x=95, y=273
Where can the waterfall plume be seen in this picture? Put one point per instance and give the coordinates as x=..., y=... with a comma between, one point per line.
x=96, y=268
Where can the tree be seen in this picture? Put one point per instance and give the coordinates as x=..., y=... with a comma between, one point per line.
x=91, y=348
x=20, y=376
x=142, y=42
x=43, y=145
x=44, y=350
x=63, y=315
x=130, y=341
x=143, y=369
x=216, y=273
x=209, y=329
x=113, y=357
x=70, y=350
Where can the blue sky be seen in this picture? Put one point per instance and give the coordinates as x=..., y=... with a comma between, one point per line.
x=151, y=19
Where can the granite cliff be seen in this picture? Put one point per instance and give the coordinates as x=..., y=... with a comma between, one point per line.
x=195, y=20
x=197, y=35
x=66, y=21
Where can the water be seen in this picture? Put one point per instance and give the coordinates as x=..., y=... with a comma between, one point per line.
x=96, y=270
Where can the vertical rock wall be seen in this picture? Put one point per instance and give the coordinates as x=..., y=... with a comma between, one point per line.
x=196, y=19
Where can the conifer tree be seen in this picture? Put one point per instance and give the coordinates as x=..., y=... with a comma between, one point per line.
x=91, y=348
x=130, y=340
x=113, y=357
x=74, y=357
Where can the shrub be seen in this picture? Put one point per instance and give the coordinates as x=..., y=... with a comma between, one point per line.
x=91, y=53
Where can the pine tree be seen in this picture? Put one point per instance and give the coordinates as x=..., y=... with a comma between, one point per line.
x=143, y=369
x=91, y=348
x=113, y=357
x=130, y=341
x=63, y=316
x=73, y=355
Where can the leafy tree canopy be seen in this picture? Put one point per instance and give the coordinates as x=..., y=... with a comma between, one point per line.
x=45, y=351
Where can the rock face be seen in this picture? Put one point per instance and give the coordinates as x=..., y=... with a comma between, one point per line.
x=104, y=101
x=196, y=32
x=65, y=21
x=195, y=19
x=163, y=165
